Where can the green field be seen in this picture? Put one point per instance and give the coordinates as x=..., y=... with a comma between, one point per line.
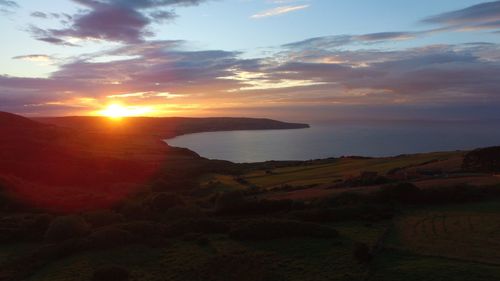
x=339, y=169
x=470, y=232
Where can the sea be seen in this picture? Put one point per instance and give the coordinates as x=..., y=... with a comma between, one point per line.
x=342, y=138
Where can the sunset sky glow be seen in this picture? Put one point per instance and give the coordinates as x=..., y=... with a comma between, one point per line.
x=286, y=59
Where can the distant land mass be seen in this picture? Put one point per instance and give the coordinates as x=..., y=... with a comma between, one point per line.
x=167, y=127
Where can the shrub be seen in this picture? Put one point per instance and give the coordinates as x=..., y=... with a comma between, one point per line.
x=204, y=226
x=483, y=160
x=66, y=227
x=179, y=213
x=134, y=209
x=237, y=266
x=41, y=221
x=365, y=179
x=174, y=183
x=103, y=218
x=276, y=229
x=343, y=199
x=459, y=194
x=109, y=237
x=111, y=273
x=234, y=203
x=142, y=230
x=403, y=193
x=229, y=202
x=163, y=201
x=363, y=212
x=59, y=250
x=362, y=253
x=33, y=227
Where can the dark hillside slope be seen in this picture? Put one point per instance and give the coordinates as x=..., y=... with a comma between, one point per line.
x=65, y=168
x=166, y=127
x=9, y=121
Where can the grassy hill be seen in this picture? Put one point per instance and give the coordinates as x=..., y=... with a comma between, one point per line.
x=84, y=201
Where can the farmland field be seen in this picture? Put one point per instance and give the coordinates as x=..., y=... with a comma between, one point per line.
x=324, y=174
x=471, y=234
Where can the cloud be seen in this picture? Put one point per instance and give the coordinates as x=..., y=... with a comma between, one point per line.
x=384, y=36
x=312, y=73
x=41, y=15
x=114, y=20
x=108, y=22
x=9, y=4
x=485, y=16
x=48, y=36
x=162, y=16
x=34, y=57
x=279, y=11
x=163, y=74
x=337, y=41
x=7, y=7
x=443, y=74
x=481, y=16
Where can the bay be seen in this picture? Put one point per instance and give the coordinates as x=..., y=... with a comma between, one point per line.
x=342, y=138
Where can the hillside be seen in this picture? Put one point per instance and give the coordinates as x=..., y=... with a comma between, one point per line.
x=9, y=121
x=78, y=162
x=167, y=127
x=99, y=199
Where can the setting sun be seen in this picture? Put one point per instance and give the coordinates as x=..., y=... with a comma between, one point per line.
x=119, y=111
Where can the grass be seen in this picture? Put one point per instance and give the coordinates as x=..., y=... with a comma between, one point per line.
x=12, y=251
x=324, y=174
x=291, y=259
x=397, y=265
x=81, y=267
x=420, y=248
x=221, y=183
x=469, y=232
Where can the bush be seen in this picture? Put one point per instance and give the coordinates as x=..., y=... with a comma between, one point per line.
x=161, y=202
x=459, y=194
x=228, y=202
x=365, y=179
x=111, y=273
x=103, y=218
x=174, y=183
x=241, y=266
x=66, y=227
x=276, y=229
x=109, y=237
x=234, y=203
x=363, y=212
x=343, y=199
x=483, y=160
x=135, y=209
x=179, y=213
x=59, y=250
x=403, y=193
x=34, y=227
x=142, y=230
x=204, y=226
x=362, y=253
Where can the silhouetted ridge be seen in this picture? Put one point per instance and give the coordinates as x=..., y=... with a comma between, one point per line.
x=165, y=127
x=12, y=121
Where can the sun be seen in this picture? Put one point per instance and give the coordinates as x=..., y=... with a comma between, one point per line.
x=117, y=111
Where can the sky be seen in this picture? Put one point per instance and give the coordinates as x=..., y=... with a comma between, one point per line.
x=297, y=60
